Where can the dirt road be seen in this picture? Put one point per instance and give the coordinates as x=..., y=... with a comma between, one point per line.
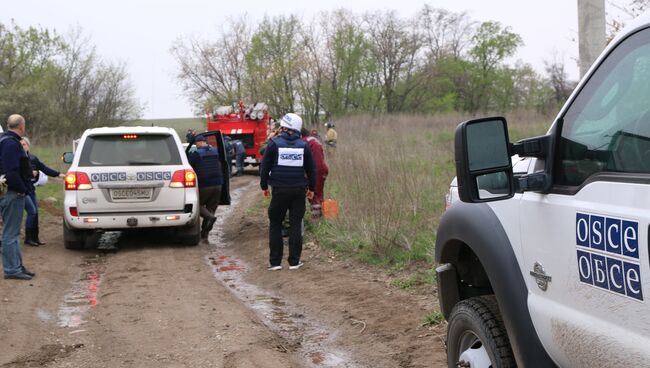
x=154, y=304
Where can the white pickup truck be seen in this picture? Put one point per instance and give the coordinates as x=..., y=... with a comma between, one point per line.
x=550, y=267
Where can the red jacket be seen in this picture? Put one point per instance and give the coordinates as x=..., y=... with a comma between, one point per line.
x=318, y=155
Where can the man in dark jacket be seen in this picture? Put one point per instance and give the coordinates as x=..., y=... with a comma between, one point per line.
x=287, y=159
x=17, y=171
x=205, y=161
x=189, y=136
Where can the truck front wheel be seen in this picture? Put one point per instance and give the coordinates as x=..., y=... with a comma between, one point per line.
x=476, y=336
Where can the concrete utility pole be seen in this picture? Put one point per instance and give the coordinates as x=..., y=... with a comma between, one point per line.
x=591, y=31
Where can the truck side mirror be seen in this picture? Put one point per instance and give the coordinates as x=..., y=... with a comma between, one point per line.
x=483, y=164
x=67, y=157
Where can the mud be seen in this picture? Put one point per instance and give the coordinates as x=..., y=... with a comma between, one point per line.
x=153, y=304
x=304, y=334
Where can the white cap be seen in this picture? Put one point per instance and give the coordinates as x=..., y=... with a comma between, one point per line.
x=291, y=121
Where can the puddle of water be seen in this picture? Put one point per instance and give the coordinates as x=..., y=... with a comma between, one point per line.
x=313, y=340
x=43, y=315
x=225, y=264
x=82, y=296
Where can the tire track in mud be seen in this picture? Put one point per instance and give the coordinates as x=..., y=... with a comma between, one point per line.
x=82, y=295
x=311, y=339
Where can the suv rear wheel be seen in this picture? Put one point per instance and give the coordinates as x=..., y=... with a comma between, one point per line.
x=190, y=234
x=73, y=239
x=476, y=336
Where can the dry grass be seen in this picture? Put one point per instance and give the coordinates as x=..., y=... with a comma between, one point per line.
x=390, y=174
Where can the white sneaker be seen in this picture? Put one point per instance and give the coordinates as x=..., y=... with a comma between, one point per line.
x=275, y=268
x=295, y=267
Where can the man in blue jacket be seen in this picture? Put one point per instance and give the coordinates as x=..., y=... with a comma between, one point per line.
x=17, y=170
x=205, y=161
x=288, y=167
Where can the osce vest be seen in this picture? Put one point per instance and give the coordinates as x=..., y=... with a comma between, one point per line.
x=208, y=170
x=288, y=169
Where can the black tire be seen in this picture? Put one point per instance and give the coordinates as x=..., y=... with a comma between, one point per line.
x=476, y=324
x=191, y=234
x=73, y=239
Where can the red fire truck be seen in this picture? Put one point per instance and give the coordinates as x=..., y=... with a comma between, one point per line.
x=249, y=125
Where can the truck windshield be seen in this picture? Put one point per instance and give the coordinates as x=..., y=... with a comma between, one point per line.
x=130, y=150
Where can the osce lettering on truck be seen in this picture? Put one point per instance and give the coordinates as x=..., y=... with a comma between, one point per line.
x=608, y=254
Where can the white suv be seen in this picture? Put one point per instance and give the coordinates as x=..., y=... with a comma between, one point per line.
x=131, y=178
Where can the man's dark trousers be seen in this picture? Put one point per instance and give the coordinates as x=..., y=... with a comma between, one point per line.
x=283, y=199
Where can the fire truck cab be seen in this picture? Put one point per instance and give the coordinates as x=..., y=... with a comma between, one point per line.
x=249, y=125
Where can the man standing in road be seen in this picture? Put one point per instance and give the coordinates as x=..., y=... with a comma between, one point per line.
x=17, y=170
x=205, y=161
x=286, y=161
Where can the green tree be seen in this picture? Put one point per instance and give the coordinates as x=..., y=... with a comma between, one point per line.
x=272, y=63
x=395, y=44
x=27, y=72
x=349, y=69
x=492, y=44
x=311, y=71
x=444, y=86
x=340, y=62
x=60, y=84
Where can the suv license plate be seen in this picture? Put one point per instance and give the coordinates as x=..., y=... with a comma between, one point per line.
x=131, y=193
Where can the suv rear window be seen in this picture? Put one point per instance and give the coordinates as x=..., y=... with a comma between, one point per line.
x=130, y=150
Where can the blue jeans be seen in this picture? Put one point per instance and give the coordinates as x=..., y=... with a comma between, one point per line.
x=240, y=164
x=12, y=206
x=31, y=207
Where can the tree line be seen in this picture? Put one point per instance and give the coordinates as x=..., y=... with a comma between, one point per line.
x=340, y=62
x=60, y=84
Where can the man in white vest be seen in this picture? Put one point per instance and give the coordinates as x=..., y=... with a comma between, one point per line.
x=288, y=168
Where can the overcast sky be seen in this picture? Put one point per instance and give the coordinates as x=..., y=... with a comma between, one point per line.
x=140, y=32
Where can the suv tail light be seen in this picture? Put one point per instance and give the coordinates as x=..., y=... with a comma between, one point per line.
x=77, y=180
x=183, y=179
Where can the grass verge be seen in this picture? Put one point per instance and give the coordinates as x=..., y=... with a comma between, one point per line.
x=390, y=174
